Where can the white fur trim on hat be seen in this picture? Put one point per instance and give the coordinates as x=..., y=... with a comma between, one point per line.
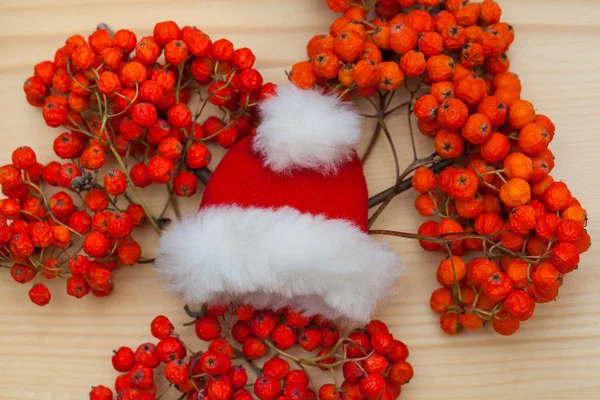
x=306, y=129
x=274, y=258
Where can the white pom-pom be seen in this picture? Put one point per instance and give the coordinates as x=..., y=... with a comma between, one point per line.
x=306, y=129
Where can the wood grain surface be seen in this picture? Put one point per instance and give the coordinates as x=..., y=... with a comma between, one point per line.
x=59, y=351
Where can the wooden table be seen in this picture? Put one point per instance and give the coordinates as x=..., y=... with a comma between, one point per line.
x=59, y=351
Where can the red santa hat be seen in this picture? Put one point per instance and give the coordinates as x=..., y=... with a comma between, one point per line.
x=283, y=219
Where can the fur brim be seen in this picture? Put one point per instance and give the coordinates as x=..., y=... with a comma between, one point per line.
x=276, y=258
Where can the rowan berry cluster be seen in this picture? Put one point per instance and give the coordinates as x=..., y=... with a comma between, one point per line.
x=123, y=105
x=488, y=181
x=250, y=352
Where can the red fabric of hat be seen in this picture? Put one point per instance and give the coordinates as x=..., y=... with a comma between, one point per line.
x=283, y=220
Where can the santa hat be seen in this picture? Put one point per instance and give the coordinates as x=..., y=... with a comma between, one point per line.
x=283, y=219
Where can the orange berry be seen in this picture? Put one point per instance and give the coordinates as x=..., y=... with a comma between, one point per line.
x=391, y=76
x=565, y=257
x=365, y=73
x=442, y=91
x=557, y=196
x=520, y=113
x=348, y=45
x=464, y=184
x=518, y=165
x=497, y=286
x=545, y=123
x=470, y=321
x=467, y=13
x=428, y=128
x=419, y=20
x=470, y=208
x=430, y=44
x=440, y=67
x=491, y=204
x=522, y=219
x=450, y=270
x=516, y=192
x=424, y=180
x=575, y=213
x=569, y=231
x=506, y=79
x=518, y=271
x=428, y=228
x=496, y=148
x=326, y=64
x=403, y=38
x=533, y=139
x=452, y=114
x=547, y=225
x=480, y=268
x=426, y=107
x=449, y=323
x=505, y=324
x=338, y=25
x=497, y=65
x=450, y=229
x=470, y=89
x=449, y=144
x=413, y=63
x=511, y=240
x=546, y=276
x=488, y=224
x=454, y=37
x=490, y=12
x=381, y=37
x=426, y=204
x=441, y=300
x=476, y=129
x=345, y=75
x=508, y=95
x=492, y=42
x=471, y=55
x=371, y=52
x=303, y=75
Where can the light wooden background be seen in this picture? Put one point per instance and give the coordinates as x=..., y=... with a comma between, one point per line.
x=59, y=351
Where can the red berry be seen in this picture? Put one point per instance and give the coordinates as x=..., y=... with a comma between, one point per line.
x=123, y=359
x=398, y=352
x=214, y=363
x=284, y=337
x=266, y=388
x=146, y=355
x=382, y=342
x=241, y=331
x=161, y=327
x=262, y=325
x=39, y=294
x=400, y=373
x=372, y=386
x=177, y=372
x=297, y=377
x=330, y=336
x=221, y=345
x=360, y=345
x=239, y=377
x=169, y=349
x=254, y=348
x=376, y=326
x=276, y=368
x=101, y=393
x=142, y=377
x=310, y=339
x=208, y=328
x=353, y=373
